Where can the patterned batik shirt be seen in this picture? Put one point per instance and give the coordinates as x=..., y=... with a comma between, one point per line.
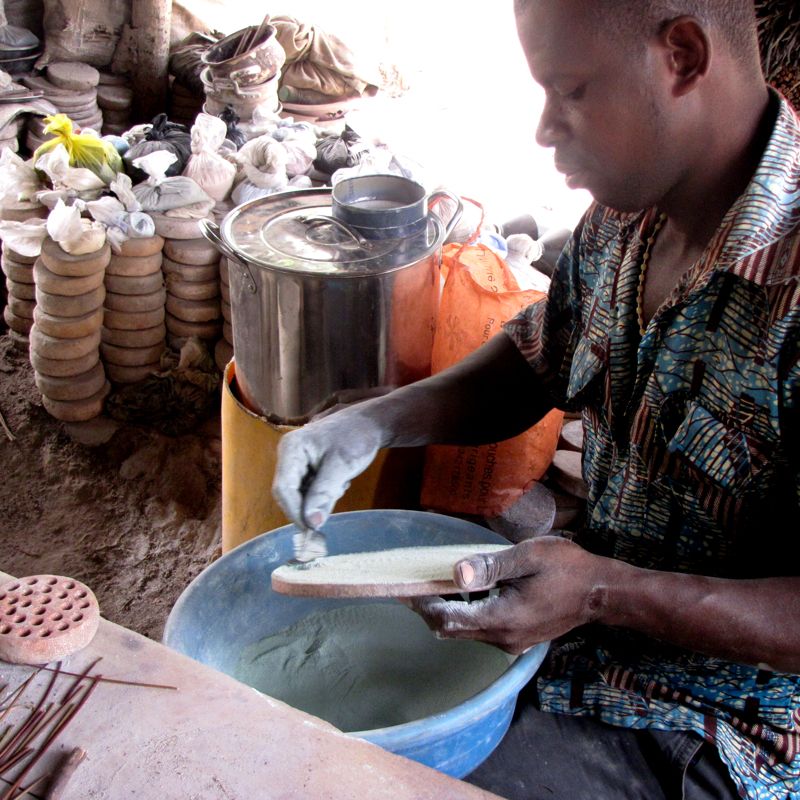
x=691, y=456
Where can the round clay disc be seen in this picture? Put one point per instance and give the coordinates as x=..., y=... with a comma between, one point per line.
x=60, y=262
x=176, y=227
x=77, y=410
x=68, y=327
x=52, y=93
x=64, y=349
x=17, y=324
x=224, y=270
x=192, y=290
x=568, y=474
x=140, y=338
x=193, y=310
x=401, y=572
x=113, y=117
x=20, y=273
x=109, y=79
x=51, y=283
x=11, y=256
x=45, y=618
x=134, y=266
x=115, y=98
x=227, y=312
x=571, y=437
x=131, y=356
x=19, y=341
x=75, y=306
x=73, y=387
x=203, y=330
x=227, y=332
x=190, y=272
x=22, y=291
x=225, y=292
x=135, y=303
x=197, y=252
x=120, y=320
x=145, y=246
x=146, y=284
x=120, y=374
x=63, y=368
x=72, y=75
x=21, y=308
x=20, y=212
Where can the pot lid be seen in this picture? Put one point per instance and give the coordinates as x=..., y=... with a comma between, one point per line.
x=295, y=232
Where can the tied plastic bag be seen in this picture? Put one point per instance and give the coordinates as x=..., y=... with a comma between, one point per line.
x=18, y=178
x=213, y=173
x=120, y=224
x=523, y=250
x=246, y=191
x=480, y=293
x=24, y=238
x=55, y=164
x=161, y=134
x=74, y=234
x=337, y=151
x=83, y=149
x=160, y=193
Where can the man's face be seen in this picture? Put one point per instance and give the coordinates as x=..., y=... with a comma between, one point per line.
x=604, y=108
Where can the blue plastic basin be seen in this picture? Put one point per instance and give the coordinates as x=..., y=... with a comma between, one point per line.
x=231, y=604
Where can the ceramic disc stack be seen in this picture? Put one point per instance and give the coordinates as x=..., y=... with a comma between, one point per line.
x=18, y=313
x=191, y=269
x=133, y=332
x=114, y=97
x=65, y=338
x=223, y=352
x=72, y=88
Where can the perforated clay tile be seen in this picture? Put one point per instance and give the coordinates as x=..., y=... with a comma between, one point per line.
x=45, y=617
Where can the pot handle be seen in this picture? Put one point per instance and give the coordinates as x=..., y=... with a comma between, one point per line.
x=456, y=214
x=210, y=231
x=317, y=220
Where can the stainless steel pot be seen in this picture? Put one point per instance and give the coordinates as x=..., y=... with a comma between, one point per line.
x=321, y=314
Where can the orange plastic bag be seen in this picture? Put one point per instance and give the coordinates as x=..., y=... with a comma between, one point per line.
x=480, y=293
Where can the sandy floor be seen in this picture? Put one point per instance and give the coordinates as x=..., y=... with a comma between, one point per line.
x=135, y=518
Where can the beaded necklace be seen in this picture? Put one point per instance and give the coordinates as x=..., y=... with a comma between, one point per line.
x=643, y=272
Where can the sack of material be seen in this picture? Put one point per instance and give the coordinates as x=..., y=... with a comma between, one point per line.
x=480, y=293
x=80, y=30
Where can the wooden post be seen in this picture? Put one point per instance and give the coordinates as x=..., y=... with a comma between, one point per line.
x=150, y=24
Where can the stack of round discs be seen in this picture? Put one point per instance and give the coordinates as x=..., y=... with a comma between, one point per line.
x=65, y=338
x=18, y=313
x=223, y=352
x=191, y=267
x=184, y=105
x=114, y=97
x=72, y=88
x=9, y=134
x=133, y=329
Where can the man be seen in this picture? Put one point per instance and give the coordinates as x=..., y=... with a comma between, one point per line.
x=673, y=324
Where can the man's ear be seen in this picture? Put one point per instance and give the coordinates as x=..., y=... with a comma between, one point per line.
x=688, y=50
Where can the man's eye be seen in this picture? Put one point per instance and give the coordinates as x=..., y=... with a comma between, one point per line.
x=575, y=94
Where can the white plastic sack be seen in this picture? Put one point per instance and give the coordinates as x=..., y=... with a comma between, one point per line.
x=24, y=238
x=300, y=155
x=159, y=193
x=263, y=161
x=522, y=251
x=76, y=235
x=120, y=224
x=18, y=179
x=122, y=186
x=55, y=164
x=213, y=173
x=247, y=190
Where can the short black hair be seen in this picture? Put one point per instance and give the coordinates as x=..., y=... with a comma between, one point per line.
x=636, y=20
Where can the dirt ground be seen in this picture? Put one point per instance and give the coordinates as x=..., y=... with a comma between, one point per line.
x=132, y=513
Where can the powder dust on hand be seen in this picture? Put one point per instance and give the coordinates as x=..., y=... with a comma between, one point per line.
x=362, y=667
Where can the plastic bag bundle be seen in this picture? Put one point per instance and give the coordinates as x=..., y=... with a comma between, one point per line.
x=160, y=135
x=77, y=236
x=162, y=193
x=18, y=179
x=523, y=250
x=263, y=161
x=233, y=132
x=246, y=190
x=340, y=150
x=12, y=37
x=24, y=238
x=84, y=150
x=213, y=173
x=55, y=164
x=120, y=224
x=301, y=148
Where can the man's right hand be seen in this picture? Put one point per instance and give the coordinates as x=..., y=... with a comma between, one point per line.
x=317, y=462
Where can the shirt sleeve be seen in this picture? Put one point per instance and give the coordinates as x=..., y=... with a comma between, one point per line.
x=546, y=332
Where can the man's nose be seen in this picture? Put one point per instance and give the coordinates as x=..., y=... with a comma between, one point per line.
x=552, y=128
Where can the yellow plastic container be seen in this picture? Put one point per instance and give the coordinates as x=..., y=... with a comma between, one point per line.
x=249, y=450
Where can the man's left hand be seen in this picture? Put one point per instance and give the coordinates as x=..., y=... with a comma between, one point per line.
x=547, y=586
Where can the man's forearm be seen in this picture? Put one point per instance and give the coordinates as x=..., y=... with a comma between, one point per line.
x=750, y=621
x=489, y=396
